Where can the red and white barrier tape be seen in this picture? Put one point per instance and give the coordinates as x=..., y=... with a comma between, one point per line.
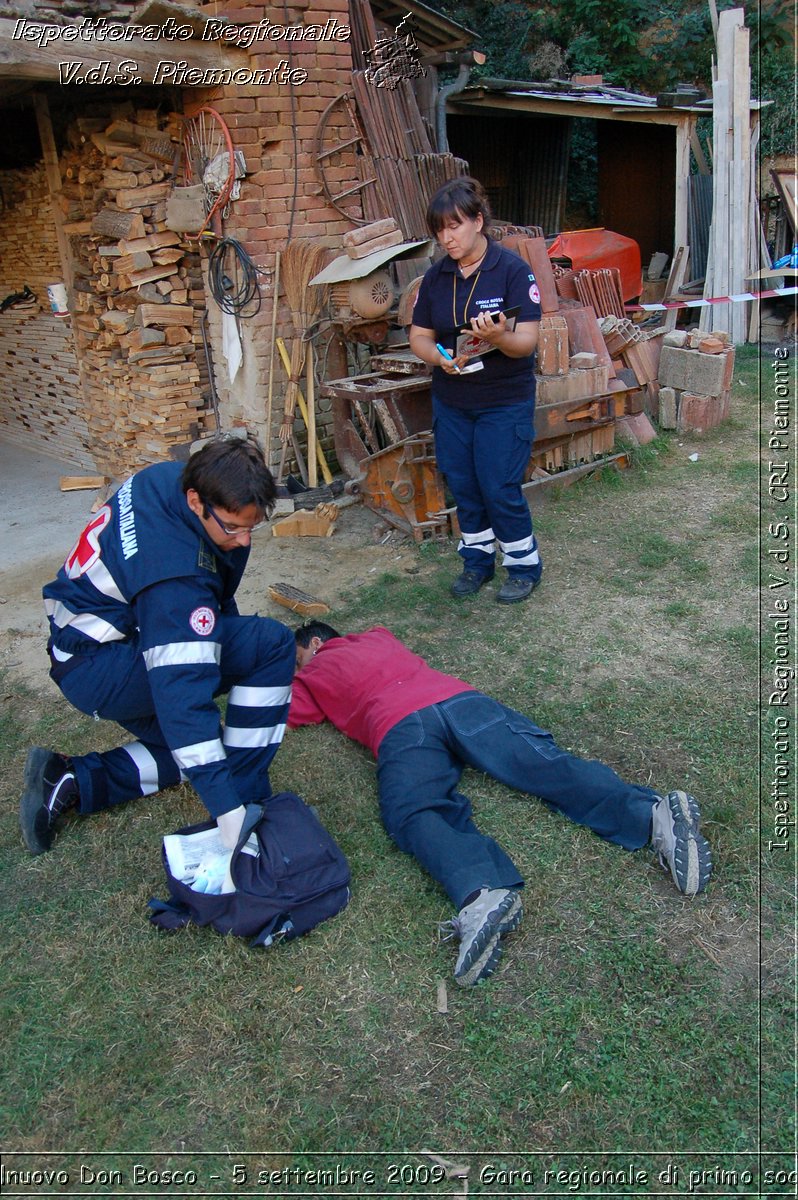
x=785, y=291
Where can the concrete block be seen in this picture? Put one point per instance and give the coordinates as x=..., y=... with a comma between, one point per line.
x=576, y=385
x=651, y=399
x=553, y=346
x=699, y=413
x=676, y=337
x=667, y=408
x=691, y=371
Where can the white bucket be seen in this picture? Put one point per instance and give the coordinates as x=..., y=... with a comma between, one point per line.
x=57, y=295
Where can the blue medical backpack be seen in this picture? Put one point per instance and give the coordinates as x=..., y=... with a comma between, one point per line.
x=289, y=874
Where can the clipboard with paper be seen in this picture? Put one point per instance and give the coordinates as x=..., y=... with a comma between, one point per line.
x=473, y=346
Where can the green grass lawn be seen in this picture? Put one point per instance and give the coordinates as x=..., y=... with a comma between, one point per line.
x=624, y=1019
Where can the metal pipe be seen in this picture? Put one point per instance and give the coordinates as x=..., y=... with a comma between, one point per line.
x=449, y=89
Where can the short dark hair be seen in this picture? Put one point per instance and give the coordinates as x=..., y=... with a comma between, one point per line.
x=305, y=633
x=230, y=472
x=461, y=197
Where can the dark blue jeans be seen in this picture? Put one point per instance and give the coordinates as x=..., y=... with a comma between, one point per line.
x=483, y=453
x=419, y=765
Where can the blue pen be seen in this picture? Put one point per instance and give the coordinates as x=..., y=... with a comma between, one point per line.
x=446, y=355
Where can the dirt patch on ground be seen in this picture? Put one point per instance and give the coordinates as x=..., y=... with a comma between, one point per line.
x=705, y=527
x=360, y=549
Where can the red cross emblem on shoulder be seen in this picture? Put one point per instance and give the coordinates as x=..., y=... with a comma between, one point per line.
x=203, y=620
x=86, y=550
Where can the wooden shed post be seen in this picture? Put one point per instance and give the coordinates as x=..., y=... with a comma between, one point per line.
x=682, y=182
x=54, y=182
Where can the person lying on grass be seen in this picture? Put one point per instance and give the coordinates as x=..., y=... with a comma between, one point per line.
x=424, y=728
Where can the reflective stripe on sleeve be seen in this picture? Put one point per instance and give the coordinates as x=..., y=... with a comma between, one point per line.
x=259, y=697
x=179, y=654
x=199, y=755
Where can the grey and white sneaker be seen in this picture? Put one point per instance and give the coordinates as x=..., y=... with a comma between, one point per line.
x=480, y=926
x=48, y=790
x=675, y=836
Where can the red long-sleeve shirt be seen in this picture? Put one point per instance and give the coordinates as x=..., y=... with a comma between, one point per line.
x=364, y=684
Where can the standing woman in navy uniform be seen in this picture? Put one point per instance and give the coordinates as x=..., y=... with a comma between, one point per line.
x=483, y=418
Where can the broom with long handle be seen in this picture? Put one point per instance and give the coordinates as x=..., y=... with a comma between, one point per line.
x=313, y=477
x=269, y=404
x=301, y=261
x=321, y=460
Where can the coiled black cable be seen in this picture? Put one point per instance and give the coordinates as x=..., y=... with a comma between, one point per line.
x=233, y=278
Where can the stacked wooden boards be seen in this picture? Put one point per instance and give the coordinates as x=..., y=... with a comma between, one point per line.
x=733, y=248
x=398, y=150
x=400, y=154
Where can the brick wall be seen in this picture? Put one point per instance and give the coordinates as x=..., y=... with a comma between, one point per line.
x=262, y=120
x=274, y=126
x=40, y=395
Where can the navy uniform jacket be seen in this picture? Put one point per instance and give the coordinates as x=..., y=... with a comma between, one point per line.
x=446, y=302
x=145, y=572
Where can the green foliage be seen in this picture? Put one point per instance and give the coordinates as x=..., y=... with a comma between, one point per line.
x=506, y=31
x=773, y=74
x=638, y=46
x=583, y=170
x=603, y=39
x=676, y=48
x=772, y=25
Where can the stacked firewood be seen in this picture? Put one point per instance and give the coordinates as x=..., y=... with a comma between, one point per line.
x=138, y=293
x=368, y=239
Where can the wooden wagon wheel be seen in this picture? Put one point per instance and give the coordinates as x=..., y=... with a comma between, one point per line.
x=328, y=145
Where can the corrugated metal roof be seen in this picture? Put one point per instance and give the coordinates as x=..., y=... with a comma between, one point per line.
x=601, y=95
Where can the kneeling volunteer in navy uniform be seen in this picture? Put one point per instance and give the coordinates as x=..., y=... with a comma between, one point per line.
x=482, y=408
x=144, y=630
